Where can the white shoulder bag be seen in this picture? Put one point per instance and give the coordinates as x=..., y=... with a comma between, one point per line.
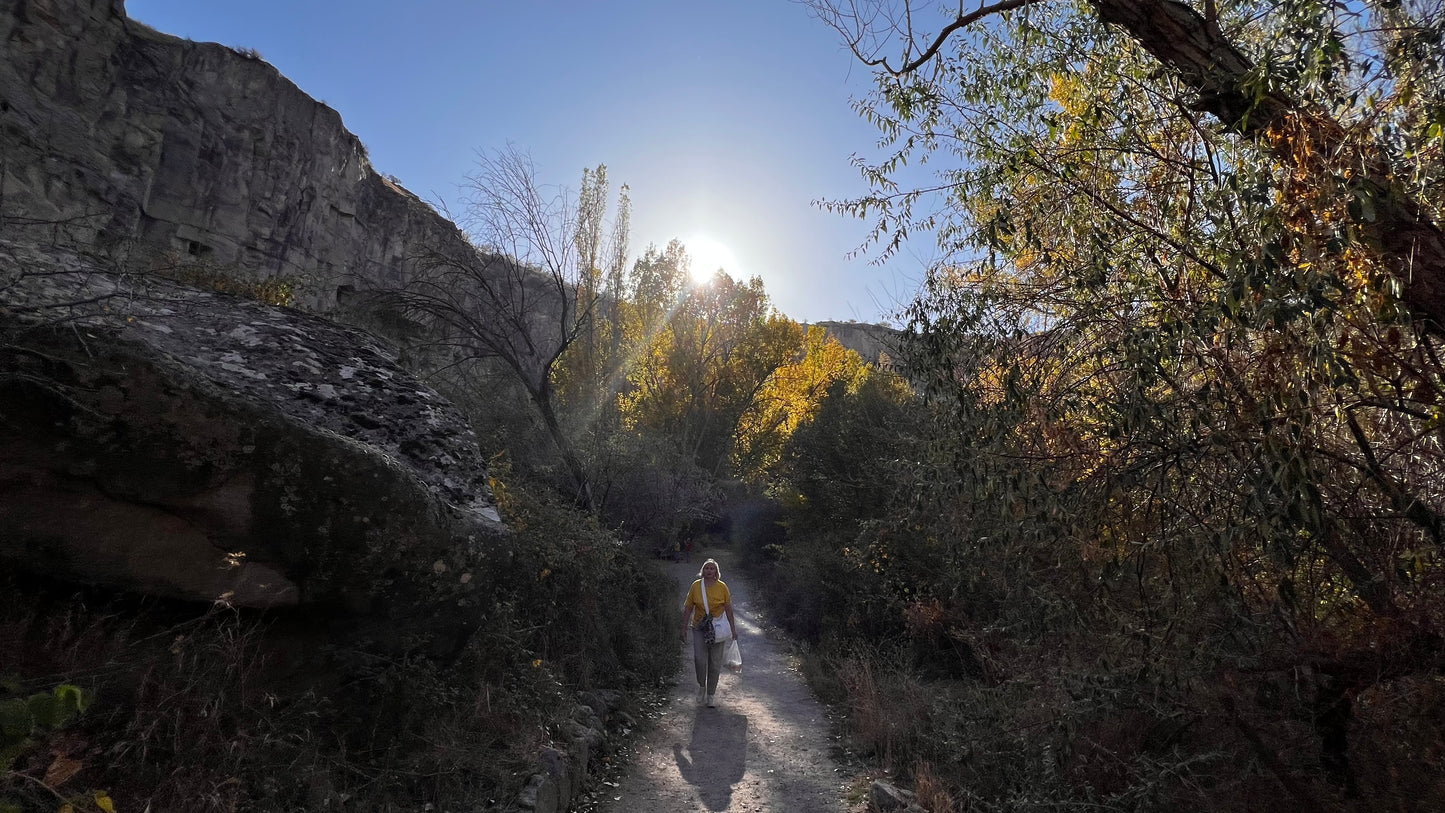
x=720, y=629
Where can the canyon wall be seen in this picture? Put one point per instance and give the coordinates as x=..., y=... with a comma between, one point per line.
x=115, y=135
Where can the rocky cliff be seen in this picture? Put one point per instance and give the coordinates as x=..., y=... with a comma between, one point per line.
x=167, y=441
x=174, y=442
x=113, y=134
x=877, y=344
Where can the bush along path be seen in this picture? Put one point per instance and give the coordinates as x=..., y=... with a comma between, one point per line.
x=768, y=746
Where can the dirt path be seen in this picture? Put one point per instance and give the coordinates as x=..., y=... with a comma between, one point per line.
x=766, y=747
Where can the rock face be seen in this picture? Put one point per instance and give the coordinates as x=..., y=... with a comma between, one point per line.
x=114, y=134
x=189, y=444
x=877, y=344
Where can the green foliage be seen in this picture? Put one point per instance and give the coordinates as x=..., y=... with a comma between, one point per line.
x=205, y=273
x=22, y=718
x=583, y=602
x=788, y=399
x=840, y=465
x=1156, y=528
x=704, y=365
x=221, y=710
x=26, y=722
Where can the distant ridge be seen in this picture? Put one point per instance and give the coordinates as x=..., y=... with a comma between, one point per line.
x=877, y=344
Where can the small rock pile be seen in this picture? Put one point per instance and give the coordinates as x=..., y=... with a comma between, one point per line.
x=561, y=775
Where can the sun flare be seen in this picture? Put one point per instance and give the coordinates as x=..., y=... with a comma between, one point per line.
x=708, y=255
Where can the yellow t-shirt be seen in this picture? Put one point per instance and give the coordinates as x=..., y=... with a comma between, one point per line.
x=718, y=599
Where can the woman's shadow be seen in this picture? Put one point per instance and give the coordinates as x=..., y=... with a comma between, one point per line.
x=716, y=758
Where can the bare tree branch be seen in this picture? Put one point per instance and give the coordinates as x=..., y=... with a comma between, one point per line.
x=517, y=294
x=857, y=29
x=1229, y=86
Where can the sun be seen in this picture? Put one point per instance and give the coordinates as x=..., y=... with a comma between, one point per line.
x=708, y=255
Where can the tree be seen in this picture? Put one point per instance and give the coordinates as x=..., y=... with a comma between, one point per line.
x=836, y=463
x=601, y=256
x=658, y=281
x=520, y=294
x=790, y=397
x=712, y=352
x=1122, y=221
x=1183, y=351
x=1313, y=59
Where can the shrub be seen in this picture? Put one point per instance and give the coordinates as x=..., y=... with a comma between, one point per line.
x=201, y=271
x=216, y=709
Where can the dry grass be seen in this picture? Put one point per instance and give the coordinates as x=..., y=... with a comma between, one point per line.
x=213, y=710
x=932, y=790
x=217, y=714
x=889, y=710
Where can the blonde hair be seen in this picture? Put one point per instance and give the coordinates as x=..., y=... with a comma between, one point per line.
x=714, y=563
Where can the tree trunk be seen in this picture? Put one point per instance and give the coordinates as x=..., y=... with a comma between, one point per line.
x=580, y=481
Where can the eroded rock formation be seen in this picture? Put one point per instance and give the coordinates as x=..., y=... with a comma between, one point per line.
x=877, y=344
x=114, y=134
x=185, y=443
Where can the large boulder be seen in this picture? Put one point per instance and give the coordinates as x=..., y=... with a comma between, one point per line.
x=184, y=443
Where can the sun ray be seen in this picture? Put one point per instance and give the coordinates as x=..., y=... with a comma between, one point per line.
x=709, y=255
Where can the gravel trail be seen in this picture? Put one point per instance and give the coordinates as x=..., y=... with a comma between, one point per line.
x=768, y=746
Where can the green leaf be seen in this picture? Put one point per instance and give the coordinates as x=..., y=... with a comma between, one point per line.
x=72, y=698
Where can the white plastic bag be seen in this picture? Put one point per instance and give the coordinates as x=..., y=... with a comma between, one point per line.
x=732, y=657
x=721, y=628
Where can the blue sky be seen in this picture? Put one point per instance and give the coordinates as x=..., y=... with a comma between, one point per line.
x=726, y=119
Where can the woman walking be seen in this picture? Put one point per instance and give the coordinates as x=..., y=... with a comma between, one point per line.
x=708, y=601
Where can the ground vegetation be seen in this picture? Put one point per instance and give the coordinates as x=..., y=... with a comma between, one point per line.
x=1161, y=526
